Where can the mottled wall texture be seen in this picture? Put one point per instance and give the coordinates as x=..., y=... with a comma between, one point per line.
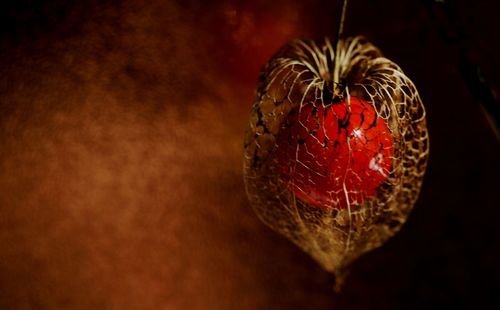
x=121, y=141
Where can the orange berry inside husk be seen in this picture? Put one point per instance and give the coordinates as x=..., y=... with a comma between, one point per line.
x=336, y=155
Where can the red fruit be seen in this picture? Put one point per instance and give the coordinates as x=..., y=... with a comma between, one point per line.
x=334, y=156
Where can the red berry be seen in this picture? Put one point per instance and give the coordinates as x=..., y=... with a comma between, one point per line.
x=326, y=151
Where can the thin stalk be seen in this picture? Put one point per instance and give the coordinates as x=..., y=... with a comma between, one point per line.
x=340, y=30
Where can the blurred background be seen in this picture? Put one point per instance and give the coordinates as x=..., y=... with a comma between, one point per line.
x=121, y=132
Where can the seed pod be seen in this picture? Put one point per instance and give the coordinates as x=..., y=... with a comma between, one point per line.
x=336, y=148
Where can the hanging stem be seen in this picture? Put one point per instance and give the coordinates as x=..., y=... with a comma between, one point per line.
x=340, y=30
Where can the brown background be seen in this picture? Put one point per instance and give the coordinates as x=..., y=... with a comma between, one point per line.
x=121, y=128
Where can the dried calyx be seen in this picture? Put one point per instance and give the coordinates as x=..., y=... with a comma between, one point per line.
x=336, y=148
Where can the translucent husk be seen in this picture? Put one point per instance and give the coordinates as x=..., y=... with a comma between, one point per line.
x=292, y=79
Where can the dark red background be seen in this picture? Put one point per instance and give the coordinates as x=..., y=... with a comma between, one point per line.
x=121, y=128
